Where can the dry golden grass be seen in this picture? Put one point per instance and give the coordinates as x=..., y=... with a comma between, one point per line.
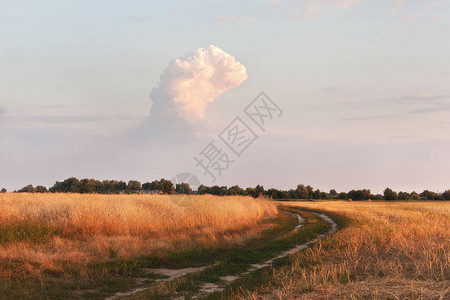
x=389, y=251
x=44, y=231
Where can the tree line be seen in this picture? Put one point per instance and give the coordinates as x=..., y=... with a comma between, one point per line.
x=92, y=186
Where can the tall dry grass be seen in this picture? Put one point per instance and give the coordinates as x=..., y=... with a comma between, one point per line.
x=47, y=230
x=389, y=251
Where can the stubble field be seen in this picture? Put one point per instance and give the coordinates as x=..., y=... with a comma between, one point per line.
x=387, y=250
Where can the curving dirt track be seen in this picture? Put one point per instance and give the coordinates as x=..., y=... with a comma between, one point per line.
x=210, y=287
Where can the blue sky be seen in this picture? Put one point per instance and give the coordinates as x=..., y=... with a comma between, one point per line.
x=364, y=86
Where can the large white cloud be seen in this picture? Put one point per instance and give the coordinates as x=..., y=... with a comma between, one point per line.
x=190, y=83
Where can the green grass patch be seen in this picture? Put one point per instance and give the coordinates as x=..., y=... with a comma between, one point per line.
x=26, y=231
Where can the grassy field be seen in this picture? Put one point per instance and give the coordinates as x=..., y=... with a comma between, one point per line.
x=384, y=250
x=70, y=246
x=49, y=240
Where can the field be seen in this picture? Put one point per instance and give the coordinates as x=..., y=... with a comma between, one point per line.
x=73, y=246
x=397, y=250
x=47, y=239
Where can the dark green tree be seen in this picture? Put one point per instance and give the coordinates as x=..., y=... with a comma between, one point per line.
x=377, y=197
x=358, y=195
x=250, y=192
x=41, y=189
x=235, y=190
x=28, y=189
x=390, y=195
x=218, y=190
x=183, y=188
x=310, y=191
x=429, y=195
x=259, y=190
x=403, y=196
x=154, y=185
x=414, y=196
x=70, y=185
x=316, y=194
x=203, y=189
x=446, y=195
x=284, y=195
x=167, y=186
x=134, y=186
x=343, y=196
x=302, y=192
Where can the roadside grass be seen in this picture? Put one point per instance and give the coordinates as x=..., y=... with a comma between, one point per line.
x=240, y=260
x=387, y=251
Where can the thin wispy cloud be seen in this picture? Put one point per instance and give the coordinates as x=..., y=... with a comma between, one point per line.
x=70, y=119
x=138, y=19
x=342, y=3
x=233, y=19
x=396, y=7
x=422, y=98
x=411, y=17
x=436, y=18
x=371, y=118
x=76, y=119
x=401, y=9
x=310, y=10
x=432, y=110
x=64, y=105
x=314, y=8
x=435, y=3
x=425, y=103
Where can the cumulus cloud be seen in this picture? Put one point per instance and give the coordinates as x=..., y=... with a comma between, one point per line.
x=190, y=83
x=187, y=87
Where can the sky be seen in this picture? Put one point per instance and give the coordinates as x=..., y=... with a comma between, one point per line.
x=360, y=92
